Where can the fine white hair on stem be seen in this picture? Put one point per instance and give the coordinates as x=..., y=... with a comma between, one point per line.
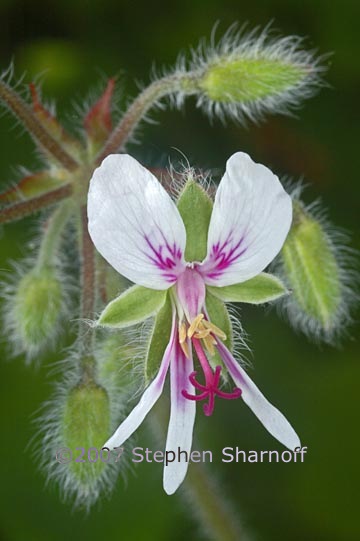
x=338, y=242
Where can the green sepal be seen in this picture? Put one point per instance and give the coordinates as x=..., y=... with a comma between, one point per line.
x=195, y=207
x=262, y=288
x=159, y=339
x=133, y=306
x=219, y=316
x=34, y=186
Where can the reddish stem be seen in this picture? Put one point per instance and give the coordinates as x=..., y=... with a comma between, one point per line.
x=22, y=209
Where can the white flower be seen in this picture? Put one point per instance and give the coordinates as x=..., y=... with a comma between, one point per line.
x=137, y=228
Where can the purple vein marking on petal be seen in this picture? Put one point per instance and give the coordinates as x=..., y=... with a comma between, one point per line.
x=223, y=256
x=167, y=261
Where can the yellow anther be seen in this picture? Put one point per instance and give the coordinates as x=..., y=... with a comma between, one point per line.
x=182, y=333
x=210, y=342
x=214, y=329
x=185, y=347
x=201, y=333
x=194, y=325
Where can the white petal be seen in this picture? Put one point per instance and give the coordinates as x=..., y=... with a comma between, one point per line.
x=250, y=221
x=148, y=399
x=272, y=419
x=134, y=224
x=182, y=418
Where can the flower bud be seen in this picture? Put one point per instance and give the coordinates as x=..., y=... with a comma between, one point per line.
x=249, y=79
x=74, y=427
x=34, y=307
x=316, y=276
x=249, y=75
x=85, y=422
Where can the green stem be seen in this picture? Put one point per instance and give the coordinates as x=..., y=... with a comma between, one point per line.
x=44, y=139
x=22, y=209
x=140, y=106
x=88, y=269
x=52, y=236
x=214, y=511
x=88, y=296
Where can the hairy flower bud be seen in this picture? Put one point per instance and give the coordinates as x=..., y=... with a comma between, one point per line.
x=245, y=76
x=74, y=427
x=85, y=423
x=314, y=265
x=34, y=307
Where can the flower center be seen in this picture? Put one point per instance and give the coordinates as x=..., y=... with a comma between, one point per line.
x=201, y=331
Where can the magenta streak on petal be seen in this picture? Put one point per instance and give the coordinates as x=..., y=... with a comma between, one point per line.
x=222, y=256
x=165, y=258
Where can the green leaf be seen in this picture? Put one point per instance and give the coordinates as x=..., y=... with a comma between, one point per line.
x=159, y=339
x=219, y=315
x=262, y=288
x=134, y=305
x=195, y=208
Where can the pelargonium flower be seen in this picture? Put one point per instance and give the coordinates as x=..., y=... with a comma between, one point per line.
x=186, y=260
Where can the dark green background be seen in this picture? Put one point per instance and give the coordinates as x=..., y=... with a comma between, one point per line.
x=75, y=42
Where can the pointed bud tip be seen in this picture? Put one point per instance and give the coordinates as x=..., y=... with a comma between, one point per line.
x=98, y=121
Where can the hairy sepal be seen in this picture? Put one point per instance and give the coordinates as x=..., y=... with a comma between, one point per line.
x=219, y=315
x=258, y=290
x=133, y=306
x=158, y=340
x=195, y=207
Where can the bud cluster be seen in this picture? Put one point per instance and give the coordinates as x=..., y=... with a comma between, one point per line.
x=243, y=76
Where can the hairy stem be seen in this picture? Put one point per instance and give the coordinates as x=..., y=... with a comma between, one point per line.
x=22, y=209
x=44, y=139
x=214, y=511
x=53, y=233
x=88, y=269
x=138, y=109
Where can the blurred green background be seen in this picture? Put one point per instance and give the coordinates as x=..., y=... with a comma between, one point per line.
x=74, y=44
